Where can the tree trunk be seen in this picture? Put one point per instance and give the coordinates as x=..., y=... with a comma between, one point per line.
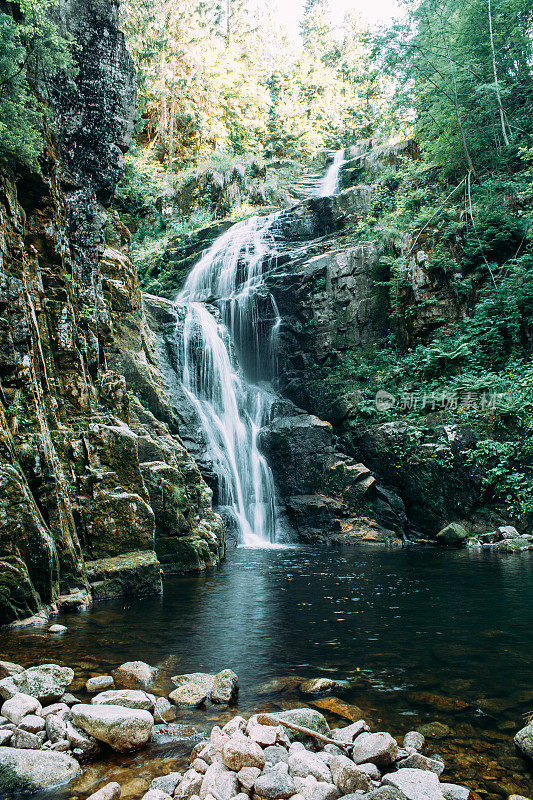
x=456, y=104
x=171, y=132
x=496, y=84
x=163, y=119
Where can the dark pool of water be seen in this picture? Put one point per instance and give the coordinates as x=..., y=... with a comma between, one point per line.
x=428, y=635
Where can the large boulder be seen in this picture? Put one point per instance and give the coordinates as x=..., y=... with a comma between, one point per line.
x=306, y=718
x=302, y=763
x=18, y=706
x=47, y=682
x=121, y=728
x=134, y=675
x=275, y=783
x=34, y=770
x=378, y=748
x=225, y=687
x=452, y=535
x=347, y=777
x=240, y=751
x=193, y=689
x=127, y=698
x=222, y=780
x=416, y=784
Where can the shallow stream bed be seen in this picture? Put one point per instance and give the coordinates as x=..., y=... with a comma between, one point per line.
x=426, y=636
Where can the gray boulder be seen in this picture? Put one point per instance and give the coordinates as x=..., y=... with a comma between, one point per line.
x=225, y=687
x=166, y=783
x=418, y=761
x=379, y=748
x=121, y=728
x=347, y=777
x=240, y=751
x=220, y=779
x=47, y=682
x=523, y=740
x=127, y=698
x=275, y=783
x=307, y=718
x=413, y=740
x=19, y=706
x=303, y=763
x=99, y=683
x=111, y=791
x=416, y=784
x=134, y=675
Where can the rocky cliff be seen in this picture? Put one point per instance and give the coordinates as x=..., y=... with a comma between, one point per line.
x=96, y=488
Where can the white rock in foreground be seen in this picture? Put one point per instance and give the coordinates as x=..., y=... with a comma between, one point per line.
x=416, y=784
x=41, y=768
x=121, y=728
x=127, y=698
x=19, y=706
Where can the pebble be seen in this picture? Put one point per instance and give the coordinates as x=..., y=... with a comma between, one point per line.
x=57, y=629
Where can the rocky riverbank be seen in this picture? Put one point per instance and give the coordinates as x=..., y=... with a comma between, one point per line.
x=47, y=734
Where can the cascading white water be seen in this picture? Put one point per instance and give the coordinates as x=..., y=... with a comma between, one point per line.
x=232, y=410
x=330, y=181
x=224, y=357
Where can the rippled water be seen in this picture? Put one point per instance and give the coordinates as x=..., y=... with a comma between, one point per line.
x=429, y=635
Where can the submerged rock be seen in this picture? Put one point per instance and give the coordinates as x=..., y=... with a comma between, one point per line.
x=318, y=686
x=35, y=769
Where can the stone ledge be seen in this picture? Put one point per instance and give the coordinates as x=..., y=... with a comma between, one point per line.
x=132, y=574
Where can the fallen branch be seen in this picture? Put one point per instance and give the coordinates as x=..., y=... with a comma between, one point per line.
x=266, y=719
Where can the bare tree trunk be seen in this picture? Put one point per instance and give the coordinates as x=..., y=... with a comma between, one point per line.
x=163, y=119
x=496, y=84
x=171, y=132
x=228, y=22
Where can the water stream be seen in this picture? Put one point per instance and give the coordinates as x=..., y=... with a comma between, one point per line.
x=227, y=349
x=330, y=182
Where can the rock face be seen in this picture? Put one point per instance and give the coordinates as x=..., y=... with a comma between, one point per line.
x=86, y=467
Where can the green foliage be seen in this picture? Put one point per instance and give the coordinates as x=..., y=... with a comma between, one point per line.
x=31, y=53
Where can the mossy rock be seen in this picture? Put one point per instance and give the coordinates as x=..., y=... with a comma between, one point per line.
x=452, y=535
x=307, y=718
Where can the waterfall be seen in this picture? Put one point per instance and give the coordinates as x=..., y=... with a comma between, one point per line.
x=329, y=183
x=225, y=352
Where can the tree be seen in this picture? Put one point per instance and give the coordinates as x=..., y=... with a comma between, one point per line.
x=32, y=52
